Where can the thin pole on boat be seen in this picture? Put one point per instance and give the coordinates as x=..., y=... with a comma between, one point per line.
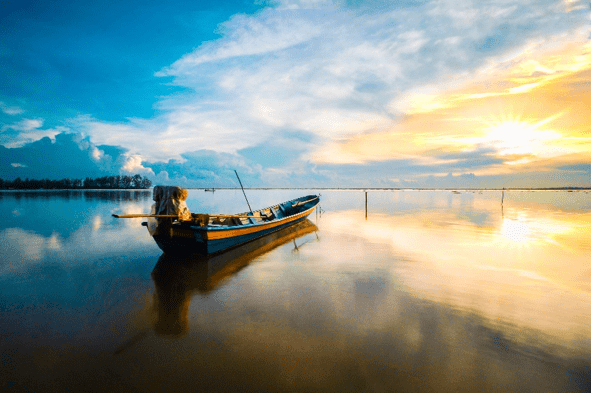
x=249, y=208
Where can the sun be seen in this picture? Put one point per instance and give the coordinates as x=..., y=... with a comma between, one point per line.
x=512, y=138
x=517, y=137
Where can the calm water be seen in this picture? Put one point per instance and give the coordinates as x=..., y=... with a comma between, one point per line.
x=433, y=291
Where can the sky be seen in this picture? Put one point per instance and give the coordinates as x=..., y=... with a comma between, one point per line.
x=298, y=93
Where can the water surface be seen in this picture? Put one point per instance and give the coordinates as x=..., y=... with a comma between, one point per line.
x=426, y=291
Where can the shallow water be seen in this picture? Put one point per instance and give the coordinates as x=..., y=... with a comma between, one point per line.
x=432, y=291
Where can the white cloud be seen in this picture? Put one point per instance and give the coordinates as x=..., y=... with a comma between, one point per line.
x=10, y=110
x=246, y=36
x=133, y=164
x=96, y=154
x=186, y=129
x=26, y=131
x=25, y=125
x=301, y=4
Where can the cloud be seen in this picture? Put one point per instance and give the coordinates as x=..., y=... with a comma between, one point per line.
x=301, y=4
x=133, y=164
x=205, y=168
x=10, y=110
x=185, y=130
x=69, y=155
x=280, y=151
x=575, y=5
x=247, y=36
x=26, y=131
x=25, y=125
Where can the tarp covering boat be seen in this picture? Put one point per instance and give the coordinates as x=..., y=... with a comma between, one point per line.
x=168, y=200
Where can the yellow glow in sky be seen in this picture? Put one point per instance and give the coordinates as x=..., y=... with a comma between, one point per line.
x=533, y=115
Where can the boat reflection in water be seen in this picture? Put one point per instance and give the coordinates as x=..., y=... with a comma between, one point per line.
x=177, y=278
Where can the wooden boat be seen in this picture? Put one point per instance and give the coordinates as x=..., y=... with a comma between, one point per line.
x=209, y=234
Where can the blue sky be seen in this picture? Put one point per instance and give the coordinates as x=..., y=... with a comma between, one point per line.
x=298, y=93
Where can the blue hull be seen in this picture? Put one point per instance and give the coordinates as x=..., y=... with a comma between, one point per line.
x=183, y=245
x=207, y=240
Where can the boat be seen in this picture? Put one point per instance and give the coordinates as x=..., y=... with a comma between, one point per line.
x=177, y=231
x=178, y=277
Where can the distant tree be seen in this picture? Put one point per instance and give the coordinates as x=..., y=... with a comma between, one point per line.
x=136, y=181
x=146, y=183
x=34, y=184
x=112, y=182
x=125, y=182
x=90, y=183
x=102, y=182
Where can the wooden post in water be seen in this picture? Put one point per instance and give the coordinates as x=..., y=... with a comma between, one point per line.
x=366, y=205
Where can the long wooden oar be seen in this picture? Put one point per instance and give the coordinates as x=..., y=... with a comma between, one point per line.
x=234, y=215
x=175, y=216
x=145, y=215
x=303, y=202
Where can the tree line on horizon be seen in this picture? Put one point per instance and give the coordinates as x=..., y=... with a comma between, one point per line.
x=106, y=182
